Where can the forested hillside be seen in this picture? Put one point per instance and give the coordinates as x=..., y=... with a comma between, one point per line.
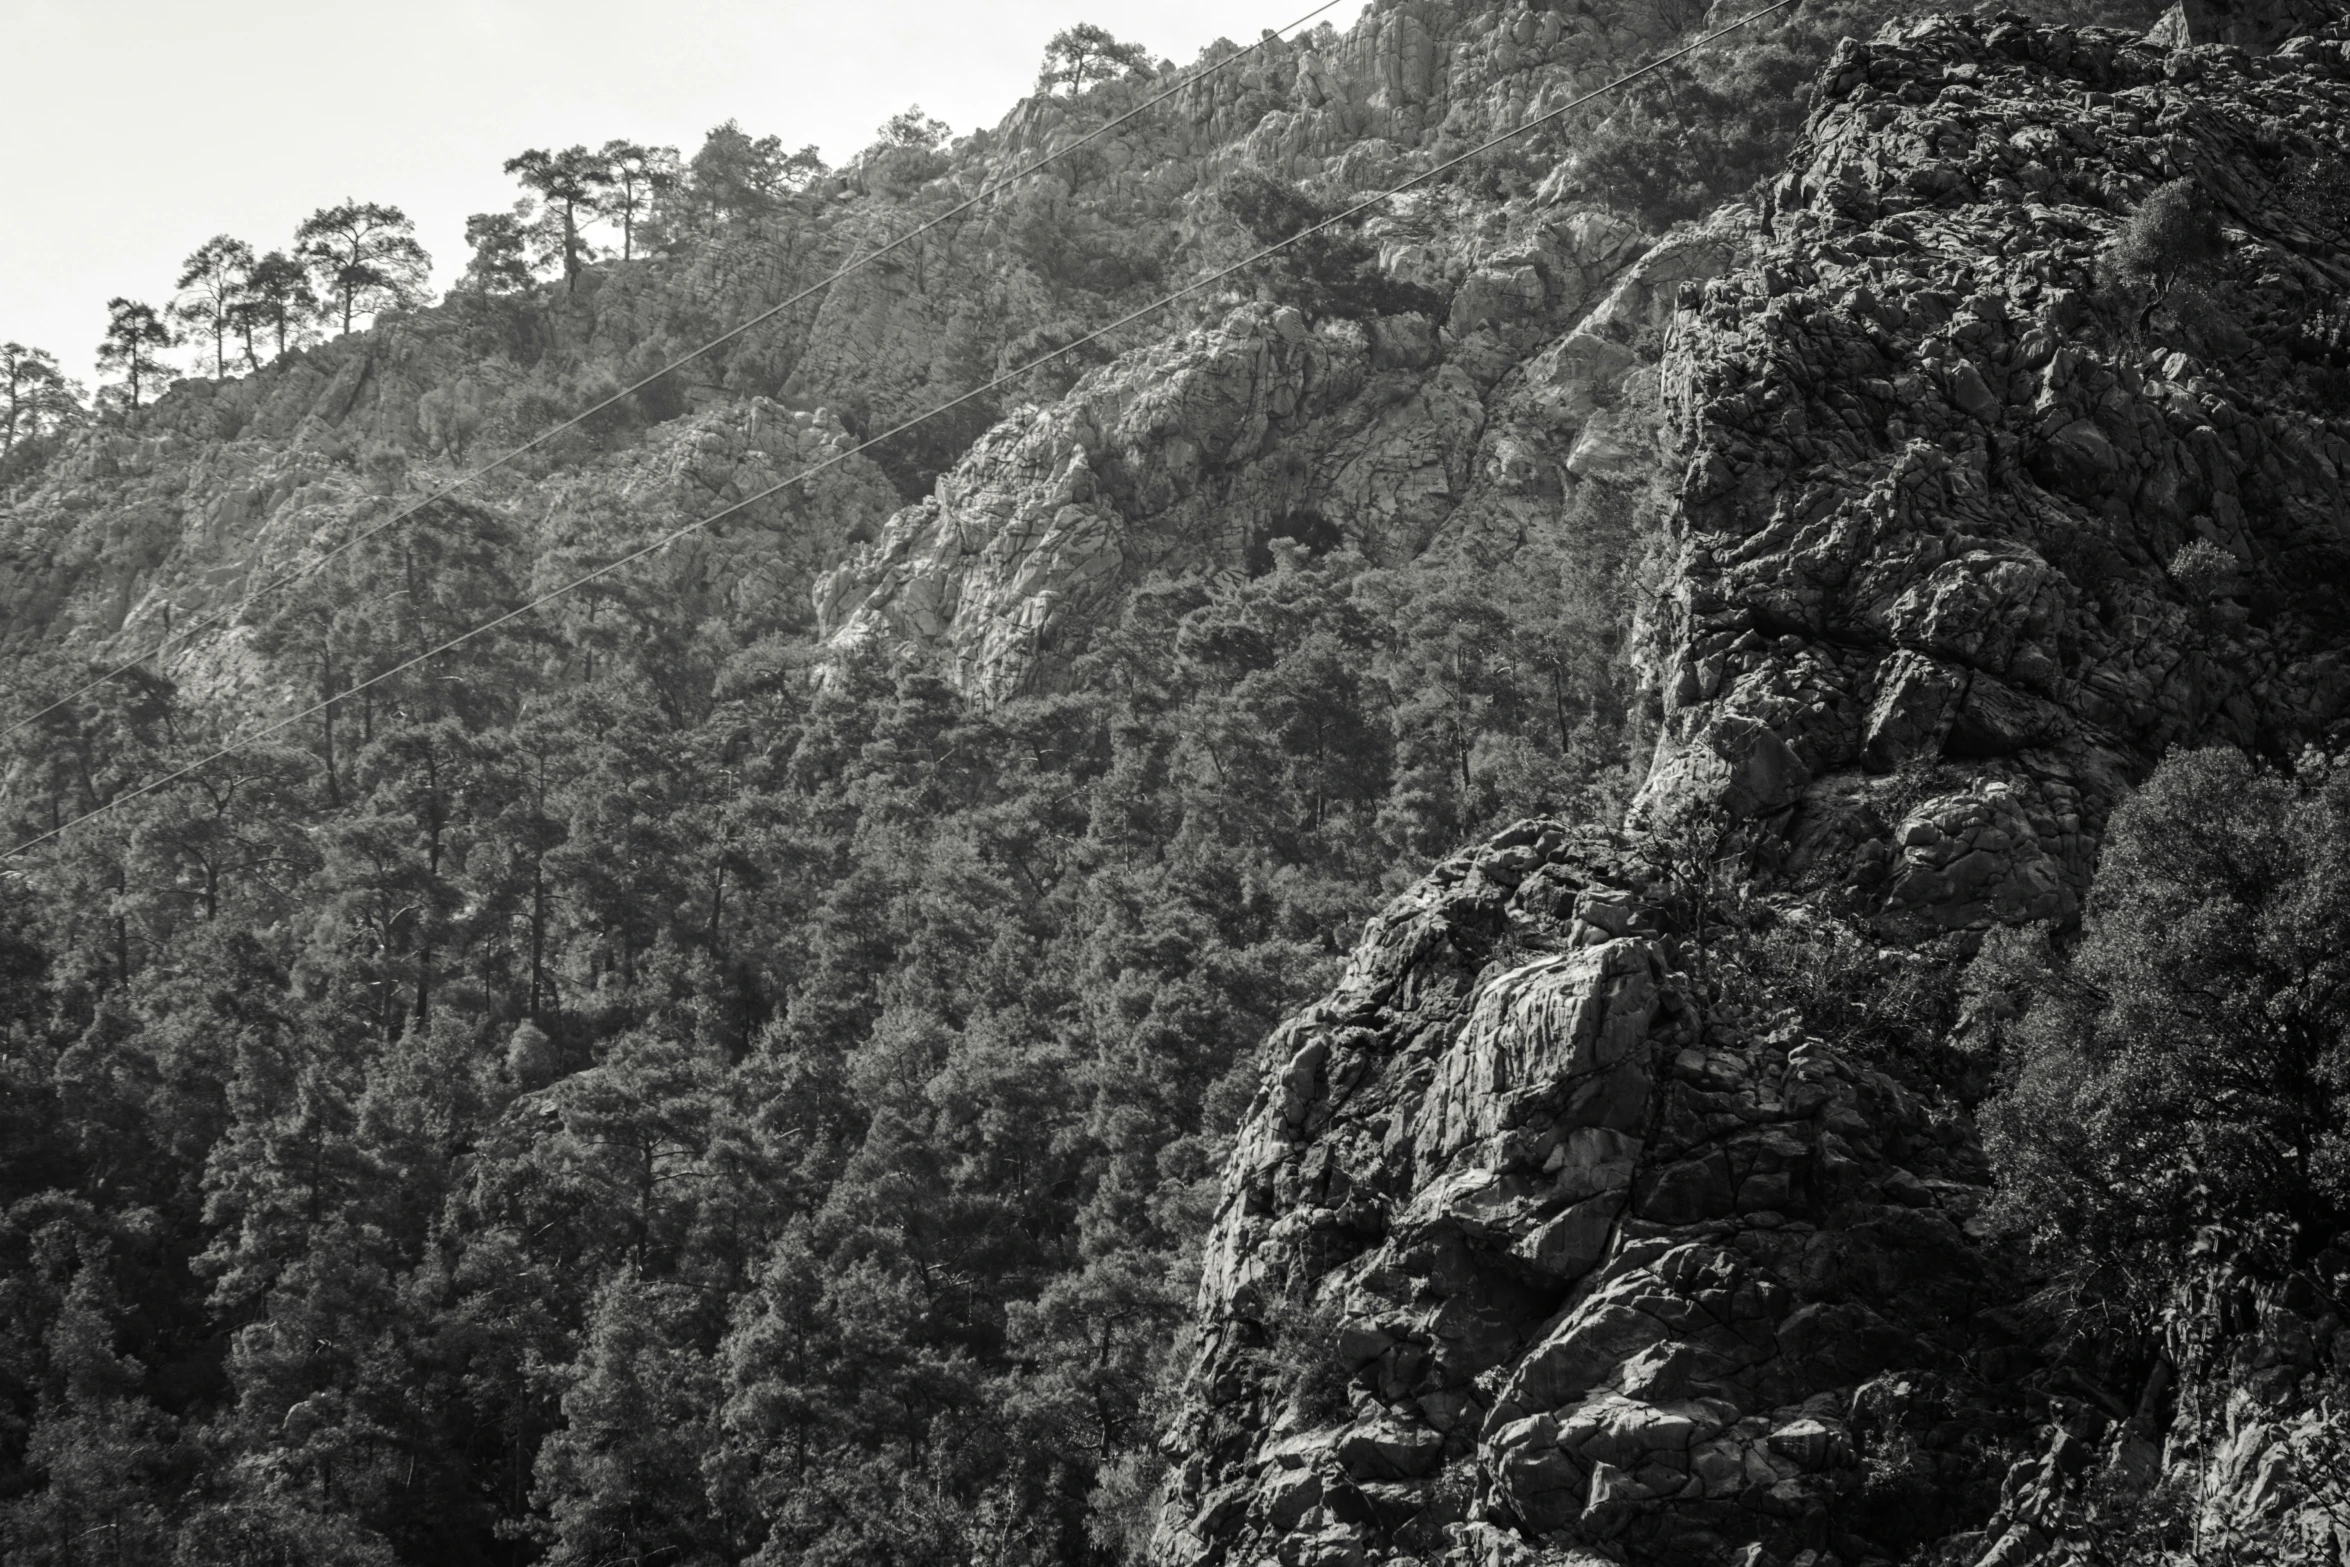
x=765, y=1057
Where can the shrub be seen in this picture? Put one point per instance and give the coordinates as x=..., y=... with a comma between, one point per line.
x=1301, y=1352
x=2204, y=570
x=2316, y=195
x=1327, y=271
x=449, y=417
x=1880, y=1005
x=2190, y=1069
x=2173, y=238
x=1080, y=245
x=1701, y=134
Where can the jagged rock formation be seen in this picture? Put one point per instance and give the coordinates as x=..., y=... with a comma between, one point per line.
x=1526, y=1252
x=2258, y=27
x=1187, y=457
x=1411, y=81
x=1924, y=619
x=1401, y=430
x=1588, y=1261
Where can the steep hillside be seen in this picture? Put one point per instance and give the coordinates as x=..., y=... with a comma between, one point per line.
x=857, y=1039
x=718, y=1072
x=220, y=483
x=1577, y=1223
x=1387, y=436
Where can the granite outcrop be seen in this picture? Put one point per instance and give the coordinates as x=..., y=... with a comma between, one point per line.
x=1549, y=1238
x=1391, y=435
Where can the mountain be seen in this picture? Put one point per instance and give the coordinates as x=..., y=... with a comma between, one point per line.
x=1063, y=252
x=1540, y=1234
x=944, y=1017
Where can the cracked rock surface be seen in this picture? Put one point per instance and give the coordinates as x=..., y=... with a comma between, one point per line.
x=1589, y=1264
x=1923, y=622
x=1529, y=1252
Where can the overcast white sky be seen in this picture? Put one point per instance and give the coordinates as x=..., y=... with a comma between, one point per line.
x=137, y=129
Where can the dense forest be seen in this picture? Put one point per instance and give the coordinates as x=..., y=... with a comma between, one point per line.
x=652, y=1086
x=715, y=1119
x=611, y=1094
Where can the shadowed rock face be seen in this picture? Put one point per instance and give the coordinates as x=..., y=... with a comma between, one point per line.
x=2256, y=25
x=1923, y=623
x=1602, y=1270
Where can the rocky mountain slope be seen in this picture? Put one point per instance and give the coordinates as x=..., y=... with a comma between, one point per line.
x=1389, y=434
x=229, y=482
x=1544, y=1243
x=1580, y=1221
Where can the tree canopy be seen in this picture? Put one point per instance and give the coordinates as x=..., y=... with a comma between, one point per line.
x=2188, y=1069
x=277, y=298
x=363, y=258
x=683, y=1109
x=638, y=178
x=136, y=335
x=571, y=183
x=500, y=242
x=211, y=283
x=35, y=396
x=1087, y=53
x=740, y=179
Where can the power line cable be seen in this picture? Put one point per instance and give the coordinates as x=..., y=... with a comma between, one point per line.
x=665, y=540
x=313, y=567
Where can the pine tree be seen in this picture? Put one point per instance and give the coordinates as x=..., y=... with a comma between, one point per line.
x=622, y=1479
x=136, y=336
x=277, y=299
x=35, y=398
x=211, y=282
x=1085, y=53
x=363, y=257
x=637, y=178
x=569, y=182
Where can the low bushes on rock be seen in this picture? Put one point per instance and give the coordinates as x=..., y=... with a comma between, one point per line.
x=2188, y=1072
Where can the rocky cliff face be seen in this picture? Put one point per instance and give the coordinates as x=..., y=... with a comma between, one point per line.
x=1410, y=82
x=1542, y=1242
x=1184, y=456
x=1187, y=457
x=1926, y=620
x=1575, y=1260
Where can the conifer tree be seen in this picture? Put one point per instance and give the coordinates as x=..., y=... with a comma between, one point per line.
x=500, y=242
x=637, y=177
x=211, y=283
x=278, y=299
x=34, y=396
x=363, y=256
x=1086, y=53
x=568, y=182
x=136, y=335
x=739, y=178
x=100, y=1445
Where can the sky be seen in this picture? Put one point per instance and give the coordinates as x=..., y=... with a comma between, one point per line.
x=137, y=129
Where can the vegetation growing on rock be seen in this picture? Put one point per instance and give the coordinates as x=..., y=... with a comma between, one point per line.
x=944, y=1018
